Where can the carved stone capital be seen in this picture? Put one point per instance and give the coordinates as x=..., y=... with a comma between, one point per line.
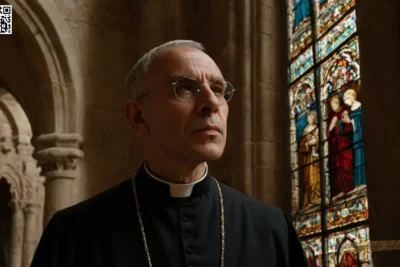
x=59, y=162
x=58, y=154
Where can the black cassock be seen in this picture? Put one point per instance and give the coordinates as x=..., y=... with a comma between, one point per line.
x=104, y=230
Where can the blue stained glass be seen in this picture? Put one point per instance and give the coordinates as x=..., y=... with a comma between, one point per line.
x=329, y=12
x=301, y=64
x=337, y=35
x=301, y=11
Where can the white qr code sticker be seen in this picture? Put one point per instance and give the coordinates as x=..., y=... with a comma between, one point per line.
x=5, y=19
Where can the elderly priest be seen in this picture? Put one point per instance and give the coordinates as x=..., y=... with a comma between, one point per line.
x=172, y=212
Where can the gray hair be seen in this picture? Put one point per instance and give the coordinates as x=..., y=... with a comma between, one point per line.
x=134, y=80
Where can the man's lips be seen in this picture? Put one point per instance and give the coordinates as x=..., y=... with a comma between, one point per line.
x=209, y=128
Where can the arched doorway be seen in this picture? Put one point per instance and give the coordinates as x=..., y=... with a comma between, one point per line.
x=41, y=71
x=21, y=186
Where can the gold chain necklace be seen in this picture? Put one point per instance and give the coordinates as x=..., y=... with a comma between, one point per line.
x=146, y=248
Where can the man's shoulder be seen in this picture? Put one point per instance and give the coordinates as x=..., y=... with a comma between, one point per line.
x=252, y=207
x=96, y=208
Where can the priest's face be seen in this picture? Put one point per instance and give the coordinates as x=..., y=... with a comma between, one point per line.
x=191, y=129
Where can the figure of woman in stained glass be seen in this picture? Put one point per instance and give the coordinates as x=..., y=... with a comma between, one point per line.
x=308, y=159
x=350, y=99
x=340, y=151
x=348, y=260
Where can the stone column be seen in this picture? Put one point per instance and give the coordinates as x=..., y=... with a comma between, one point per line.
x=379, y=35
x=58, y=156
x=33, y=217
x=40, y=189
x=30, y=236
x=17, y=234
x=242, y=110
x=270, y=166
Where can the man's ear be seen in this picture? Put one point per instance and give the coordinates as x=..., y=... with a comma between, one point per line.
x=134, y=114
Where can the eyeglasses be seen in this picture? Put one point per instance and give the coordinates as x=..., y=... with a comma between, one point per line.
x=188, y=89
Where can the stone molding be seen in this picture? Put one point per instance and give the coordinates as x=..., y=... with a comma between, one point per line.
x=73, y=140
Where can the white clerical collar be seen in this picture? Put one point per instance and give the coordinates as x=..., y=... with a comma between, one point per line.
x=178, y=190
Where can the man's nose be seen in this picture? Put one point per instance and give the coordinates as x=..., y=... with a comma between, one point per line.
x=209, y=101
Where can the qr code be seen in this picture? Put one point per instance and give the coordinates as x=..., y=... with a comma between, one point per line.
x=5, y=19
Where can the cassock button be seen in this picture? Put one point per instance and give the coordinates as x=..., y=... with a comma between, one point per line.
x=189, y=251
x=185, y=219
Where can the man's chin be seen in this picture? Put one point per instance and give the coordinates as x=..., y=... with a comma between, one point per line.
x=208, y=152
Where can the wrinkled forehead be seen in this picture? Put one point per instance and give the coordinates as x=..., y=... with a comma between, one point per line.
x=184, y=61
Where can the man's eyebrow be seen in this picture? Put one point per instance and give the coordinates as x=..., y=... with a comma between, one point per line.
x=176, y=77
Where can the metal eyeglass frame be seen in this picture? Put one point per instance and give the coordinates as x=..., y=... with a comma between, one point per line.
x=200, y=83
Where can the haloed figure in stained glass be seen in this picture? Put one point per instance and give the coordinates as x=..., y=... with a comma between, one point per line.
x=354, y=117
x=340, y=136
x=308, y=157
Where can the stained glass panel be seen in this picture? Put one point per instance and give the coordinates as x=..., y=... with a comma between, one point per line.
x=327, y=153
x=342, y=114
x=300, y=41
x=313, y=250
x=340, y=33
x=300, y=14
x=339, y=70
x=346, y=161
x=305, y=142
x=350, y=248
x=300, y=30
x=308, y=224
x=302, y=63
x=302, y=96
x=347, y=211
x=330, y=11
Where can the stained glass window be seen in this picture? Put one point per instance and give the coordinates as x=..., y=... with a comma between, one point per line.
x=329, y=191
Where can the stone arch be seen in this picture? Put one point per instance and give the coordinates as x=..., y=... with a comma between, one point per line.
x=310, y=251
x=13, y=178
x=21, y=127
x=41, y=70
x=47, y=46
x=355, y=244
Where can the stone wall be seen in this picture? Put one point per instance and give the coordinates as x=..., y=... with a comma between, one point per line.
x=379, y=35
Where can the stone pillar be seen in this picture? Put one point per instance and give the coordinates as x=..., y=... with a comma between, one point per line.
x=30, y=234
x=40, y=208
x=58, y=156
x=242, y=113
x=17, y=234
x=33, y=217
x=379, y=35
x=270, y=176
